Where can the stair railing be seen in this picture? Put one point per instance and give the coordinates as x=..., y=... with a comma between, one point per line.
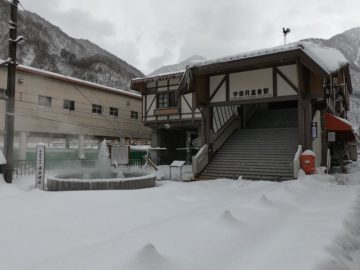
x=296, y=162
x=200, y=160
x=223, y=124
x=222, y=135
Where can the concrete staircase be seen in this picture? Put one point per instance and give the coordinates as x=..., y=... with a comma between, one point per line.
x=265, y=153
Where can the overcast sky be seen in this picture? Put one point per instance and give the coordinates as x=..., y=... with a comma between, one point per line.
x=152, y=33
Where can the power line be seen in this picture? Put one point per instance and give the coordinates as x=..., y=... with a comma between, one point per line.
x=26, y=11
x=75, y=87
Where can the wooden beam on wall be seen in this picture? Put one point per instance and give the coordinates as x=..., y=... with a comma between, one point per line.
x=202, y=90
x=287, y=80
x=218, y=87
x=274, y=72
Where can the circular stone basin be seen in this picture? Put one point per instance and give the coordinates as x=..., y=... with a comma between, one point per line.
x=76, y=181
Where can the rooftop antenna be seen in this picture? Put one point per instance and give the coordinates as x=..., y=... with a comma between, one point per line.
x=285, y=32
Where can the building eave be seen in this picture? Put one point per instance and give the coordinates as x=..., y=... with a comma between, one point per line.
x=76, y=81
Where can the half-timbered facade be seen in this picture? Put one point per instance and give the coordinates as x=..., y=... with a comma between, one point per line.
x=175, y=122
x=259, y=109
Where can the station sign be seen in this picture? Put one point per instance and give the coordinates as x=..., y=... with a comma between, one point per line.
x=40, y=167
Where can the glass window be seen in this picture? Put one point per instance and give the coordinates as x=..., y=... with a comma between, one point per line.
x=166, y=100
x=114, y=111
x=96, y=109
x=45, y=101
x=69, y=105
x=134, y=115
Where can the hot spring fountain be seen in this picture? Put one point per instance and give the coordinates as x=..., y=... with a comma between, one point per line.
x=103, y=176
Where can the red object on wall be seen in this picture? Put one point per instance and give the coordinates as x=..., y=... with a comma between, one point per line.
x=335, y=123
x=307, y=162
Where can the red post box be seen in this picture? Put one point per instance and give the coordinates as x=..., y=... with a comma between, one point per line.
x=307, y=162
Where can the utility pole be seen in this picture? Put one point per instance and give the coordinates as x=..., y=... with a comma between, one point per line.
x=10, y=93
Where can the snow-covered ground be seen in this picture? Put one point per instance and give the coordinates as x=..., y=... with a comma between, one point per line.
x=310, y=223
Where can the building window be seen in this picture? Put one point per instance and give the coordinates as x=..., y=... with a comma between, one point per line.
x=96, y=109
x=45, y=101
x=2, y=94
x=69, y=105
x=166, y=100
x=114, y=112
x=134, y=115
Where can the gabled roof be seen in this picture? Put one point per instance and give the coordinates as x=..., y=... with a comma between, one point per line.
x=324, y=59
x=139, y=84
x=329, y=59
x=321, y=60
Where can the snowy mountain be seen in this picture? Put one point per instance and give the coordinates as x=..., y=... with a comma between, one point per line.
x=49, y=48
x=178, y=67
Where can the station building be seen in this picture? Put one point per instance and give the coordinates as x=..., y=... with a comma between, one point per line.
x=51, y=107
x=254, y=113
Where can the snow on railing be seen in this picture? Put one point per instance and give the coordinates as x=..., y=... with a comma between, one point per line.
x=296, y=162
x=328, y=159
x=200, y=160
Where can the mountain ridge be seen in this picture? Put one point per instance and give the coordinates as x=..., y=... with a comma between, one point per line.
x=179, y=66
x=48, y=47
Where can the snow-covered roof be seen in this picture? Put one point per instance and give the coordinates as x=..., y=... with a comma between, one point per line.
x=58, y=76
x=177, y=73
x=3, y=62
x=328, y=59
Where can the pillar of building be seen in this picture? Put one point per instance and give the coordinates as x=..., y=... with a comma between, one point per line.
x=122, y=141
x=304, y=122
x=67, y=142
x=81, y=139
x=155, y=138
x=22, y=145
x=304, y=108
x=201, y=140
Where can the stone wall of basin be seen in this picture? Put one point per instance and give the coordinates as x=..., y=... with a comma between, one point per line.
x=57, y=184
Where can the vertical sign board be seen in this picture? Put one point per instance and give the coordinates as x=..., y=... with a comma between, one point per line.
x=314, y=130
x=331, y=136
x=40, y=167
